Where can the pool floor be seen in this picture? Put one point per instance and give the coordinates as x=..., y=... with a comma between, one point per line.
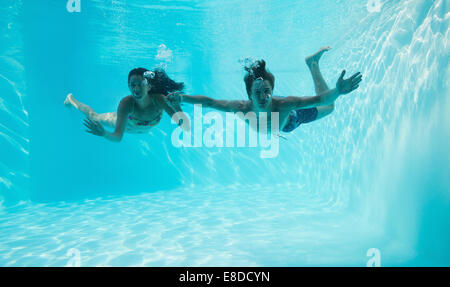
x=214, y=226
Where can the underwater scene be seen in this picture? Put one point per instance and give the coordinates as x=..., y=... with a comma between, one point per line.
x=225, y=133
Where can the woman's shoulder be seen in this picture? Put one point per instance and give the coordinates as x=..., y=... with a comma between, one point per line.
x=128, y=99
x=127, y=103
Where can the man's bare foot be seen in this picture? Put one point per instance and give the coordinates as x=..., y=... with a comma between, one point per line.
x=316, y=57
x=68, y=102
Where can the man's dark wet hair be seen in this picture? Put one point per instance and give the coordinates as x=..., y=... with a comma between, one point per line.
x=161, y=83
x=257, y=70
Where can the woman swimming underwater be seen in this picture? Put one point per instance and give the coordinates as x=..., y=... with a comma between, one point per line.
x=292, y=110
x=136, y=113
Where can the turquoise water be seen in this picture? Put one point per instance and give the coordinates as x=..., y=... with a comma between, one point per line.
x=374, y=174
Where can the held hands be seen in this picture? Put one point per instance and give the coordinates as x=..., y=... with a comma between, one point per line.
x=94, y=127
x=175, y=99
x=348, y=85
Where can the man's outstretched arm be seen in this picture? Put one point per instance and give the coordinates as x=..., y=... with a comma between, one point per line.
x=326, y=98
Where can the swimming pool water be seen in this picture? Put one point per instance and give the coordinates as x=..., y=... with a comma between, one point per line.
x=374, y=174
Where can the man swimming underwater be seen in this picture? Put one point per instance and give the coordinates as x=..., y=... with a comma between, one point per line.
x=293, y=111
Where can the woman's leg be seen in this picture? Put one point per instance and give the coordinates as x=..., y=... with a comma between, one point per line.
x=319, y=82
x=108, y=119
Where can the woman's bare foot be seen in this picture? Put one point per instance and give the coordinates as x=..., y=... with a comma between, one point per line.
x=316, y=56
x=68, y=102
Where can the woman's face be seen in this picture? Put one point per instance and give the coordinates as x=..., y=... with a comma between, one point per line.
x=138, y=86
x=261, y=93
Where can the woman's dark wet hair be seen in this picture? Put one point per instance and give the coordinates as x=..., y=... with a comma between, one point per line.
x=161, y=83
x=257, y=70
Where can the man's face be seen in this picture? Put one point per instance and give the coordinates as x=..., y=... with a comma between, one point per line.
x=261, y=93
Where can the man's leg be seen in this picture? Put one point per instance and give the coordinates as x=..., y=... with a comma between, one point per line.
x=319, y=82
